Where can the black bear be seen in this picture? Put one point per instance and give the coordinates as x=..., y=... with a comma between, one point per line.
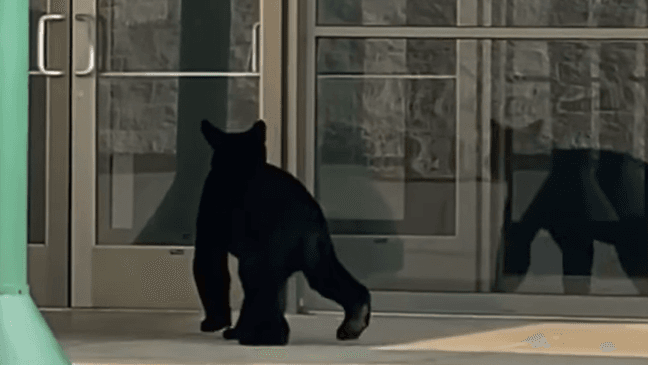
x=270, y=222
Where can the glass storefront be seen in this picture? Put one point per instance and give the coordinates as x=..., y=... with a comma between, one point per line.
x=522, y=154
x=445, y=160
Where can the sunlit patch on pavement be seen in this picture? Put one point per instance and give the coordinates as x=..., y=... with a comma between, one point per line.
x=613, y=340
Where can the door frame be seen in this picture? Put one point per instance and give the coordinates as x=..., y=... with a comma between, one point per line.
x=475, y=36
x=89, y=288
x=48, y=263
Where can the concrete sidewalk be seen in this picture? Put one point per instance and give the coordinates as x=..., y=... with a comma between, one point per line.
x=173, y=338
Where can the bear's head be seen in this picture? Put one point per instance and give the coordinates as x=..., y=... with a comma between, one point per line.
x=236, y=152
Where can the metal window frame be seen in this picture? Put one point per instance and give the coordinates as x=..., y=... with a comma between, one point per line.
x=486, y=33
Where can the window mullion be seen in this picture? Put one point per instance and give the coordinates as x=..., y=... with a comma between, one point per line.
x=494, y=33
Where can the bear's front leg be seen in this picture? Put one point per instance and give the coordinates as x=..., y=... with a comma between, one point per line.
x=213, y=284
x=210, y=267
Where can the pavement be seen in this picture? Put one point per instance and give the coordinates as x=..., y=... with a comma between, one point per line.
x=173, y=338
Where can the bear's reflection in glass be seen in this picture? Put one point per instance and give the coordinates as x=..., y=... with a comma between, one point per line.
x=589, y=195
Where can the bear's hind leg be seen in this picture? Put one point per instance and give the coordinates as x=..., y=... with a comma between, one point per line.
x=232, y=333
x=262, y=321
x=327, y=276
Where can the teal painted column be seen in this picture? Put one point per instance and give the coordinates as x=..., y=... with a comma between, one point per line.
x=13, y=145
x=25, y=337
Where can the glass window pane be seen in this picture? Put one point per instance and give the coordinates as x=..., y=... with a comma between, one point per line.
x=387, y=12
x=147, y=36
x=386, y=146
x=152, y=157
x=570, y=142
x=569, y=13
x=409, y=56
x=578, y=93
x=37, y=159
x=37, y=126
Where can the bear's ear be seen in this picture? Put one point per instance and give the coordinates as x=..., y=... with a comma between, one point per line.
x=213, y=135
x=259, y=131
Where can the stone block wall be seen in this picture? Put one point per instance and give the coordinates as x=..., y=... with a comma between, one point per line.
x=139, y=115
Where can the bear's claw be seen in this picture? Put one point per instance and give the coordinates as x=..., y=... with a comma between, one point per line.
x=355, y=323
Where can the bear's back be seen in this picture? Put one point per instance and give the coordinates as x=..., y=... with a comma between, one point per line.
x=274, y=213
x=278, y=196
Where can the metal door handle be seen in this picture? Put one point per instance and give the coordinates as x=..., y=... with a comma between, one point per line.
x=255, y=45
x=91, y=59
x=41, y=44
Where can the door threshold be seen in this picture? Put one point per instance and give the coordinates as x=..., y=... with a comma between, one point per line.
x=376, y=314
x=492, y=316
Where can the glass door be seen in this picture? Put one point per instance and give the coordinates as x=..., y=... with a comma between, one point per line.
x=394, y=130
x=48, y=193
x=482, y=156
x=150, y=72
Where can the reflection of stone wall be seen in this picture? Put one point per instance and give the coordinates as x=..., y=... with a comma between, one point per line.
x=243, y=95
x=388, y=12
x=571, y=94
x=139, y=115
x=560, y=13
x=397, y=127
